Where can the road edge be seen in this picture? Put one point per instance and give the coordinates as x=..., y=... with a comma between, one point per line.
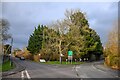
x=17, y=69
x=96, y=66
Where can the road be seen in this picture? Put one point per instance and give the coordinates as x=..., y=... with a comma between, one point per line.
x=39, y=70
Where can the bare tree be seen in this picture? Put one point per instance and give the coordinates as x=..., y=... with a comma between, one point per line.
x=4, y=35
x=4, y=27
x=69, y=31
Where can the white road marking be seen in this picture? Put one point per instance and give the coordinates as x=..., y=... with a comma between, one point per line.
x=77, y=68
x=22, y=74
x=84, y=76
x=28, y=76
x=73, y=68
x=98, y=69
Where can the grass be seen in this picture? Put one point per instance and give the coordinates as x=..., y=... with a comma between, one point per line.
x=63, y=63
x=6, y=66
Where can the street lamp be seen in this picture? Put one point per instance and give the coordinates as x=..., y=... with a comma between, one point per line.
x=11, y=45
x=11, y=51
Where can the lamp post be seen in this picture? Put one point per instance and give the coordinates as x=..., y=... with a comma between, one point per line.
x=11, y=52
x=11, y=45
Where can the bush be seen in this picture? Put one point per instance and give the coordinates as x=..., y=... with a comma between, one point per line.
x=36, y=58
x=113, y=61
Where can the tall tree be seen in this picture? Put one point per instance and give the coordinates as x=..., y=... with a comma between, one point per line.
x=112, y=57
x=4, y=27
x=50, y=47
x=92, y=43
x=4, y=35
x=82, y=39
x=35, y=40
x=72, y=33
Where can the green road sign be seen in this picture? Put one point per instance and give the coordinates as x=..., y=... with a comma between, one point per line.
x=70, y=53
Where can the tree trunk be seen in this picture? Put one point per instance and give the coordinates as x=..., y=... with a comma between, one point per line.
x=60, y=52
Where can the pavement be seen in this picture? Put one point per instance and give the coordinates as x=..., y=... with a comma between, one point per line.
x=18, y=68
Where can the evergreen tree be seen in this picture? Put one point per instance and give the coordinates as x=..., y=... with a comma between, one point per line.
x=73, y=33
x=35, y=40
x=93, y=45
x=83, y=40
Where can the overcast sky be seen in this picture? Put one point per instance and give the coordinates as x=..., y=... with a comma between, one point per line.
x=24, y=16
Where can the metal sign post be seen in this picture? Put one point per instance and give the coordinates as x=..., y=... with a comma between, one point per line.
x=71, y=59
x=70, y=53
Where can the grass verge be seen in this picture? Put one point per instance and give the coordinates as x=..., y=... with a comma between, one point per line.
x=6, y=66
x=63, y=63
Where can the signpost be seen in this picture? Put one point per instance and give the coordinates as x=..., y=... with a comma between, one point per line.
x=70, y=54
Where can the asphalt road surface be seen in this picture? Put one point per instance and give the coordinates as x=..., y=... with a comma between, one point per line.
x=40, y=70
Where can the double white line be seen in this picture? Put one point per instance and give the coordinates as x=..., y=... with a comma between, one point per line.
x=23, y=74
x=75, y=68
